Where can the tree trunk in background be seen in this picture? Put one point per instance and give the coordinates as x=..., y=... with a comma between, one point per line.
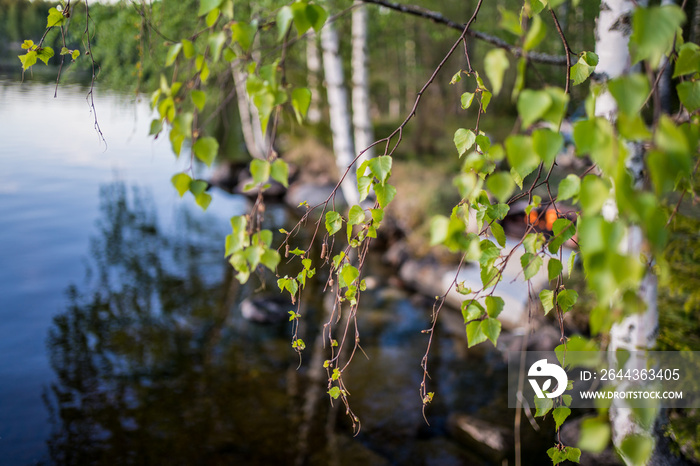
x=313, y=67
x=361, y=114
x=339, y=113
x=638, y=331
x=250, y=120
x=695, y=23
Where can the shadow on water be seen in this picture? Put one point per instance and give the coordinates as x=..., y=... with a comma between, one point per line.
x=154, y=363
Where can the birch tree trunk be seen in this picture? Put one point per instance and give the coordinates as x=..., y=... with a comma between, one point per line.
x=313, y=68
x=339, y=113
x=638, y=331
x=250, y=119
x=361, y=114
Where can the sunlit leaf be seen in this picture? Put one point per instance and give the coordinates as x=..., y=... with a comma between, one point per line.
x=496, y=63
x=206, y=149
x=181, y=181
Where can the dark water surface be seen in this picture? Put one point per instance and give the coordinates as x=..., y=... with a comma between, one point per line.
x=121, y=338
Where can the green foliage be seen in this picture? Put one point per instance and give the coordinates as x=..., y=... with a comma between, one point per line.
x=560, y=454
x=653, y=31
x=583, y=68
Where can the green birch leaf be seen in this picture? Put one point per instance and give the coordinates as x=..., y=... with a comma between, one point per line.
x=492, y=329
x=501, y=185
x=472, y=310
x=181, y=181
x=566, y=300
x=653, y=31
x=547, y=144
x=173, y=52
x=496, y=63
x=334, y=222
x=316, y=15
x=594, y=193
x=543, y=406
x=467, y=99
x=595, y=435
x=547, y=299
x=380, y=167
x=560, y=414
x=510, y=21
x=199, y=98
x=637, y=449
x=284, y=19
x=205, y=149
x=494, y=305
x=464, y=139
x=560, y=100
x=197, y=187
x=44, y=54
x=485, y=99
x=584, y=67
x=55, y=18
x=572, y=260
x=535, y=34
x=521, y=156
x=205, y=6
x=569, y=187
x=188, y=48
x=216, y=43
x=385, y=193
x=498, y=234
x=28, y=59
x=554, y=268
x=688, y=61
x=356, y=215
x=270, y=259
x=632, y=127
x=203, y=200
x=363, y=185
x=563, y=230
x=211, y=18
x=532, y=105
x=348, y=274
x=475, y=333
x=630, y=92
x=243, y=34
x=260, y=170
x=531, y=264
x=572, y=454
x=279, y=171
x=689, y=93
x=301, y=101
x=301, y=21
x=156, y=127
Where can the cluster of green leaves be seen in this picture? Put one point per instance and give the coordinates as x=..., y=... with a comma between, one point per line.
x=245, y=251
x=56, y=18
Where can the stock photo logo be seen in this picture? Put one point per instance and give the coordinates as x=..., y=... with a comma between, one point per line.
x=541, y=369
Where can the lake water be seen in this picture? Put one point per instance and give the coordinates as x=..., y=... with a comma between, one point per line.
x=121, y=338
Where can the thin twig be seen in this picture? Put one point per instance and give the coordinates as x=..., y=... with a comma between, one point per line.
x=567, y=49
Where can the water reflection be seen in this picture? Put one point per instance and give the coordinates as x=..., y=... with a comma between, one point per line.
x=151, y=366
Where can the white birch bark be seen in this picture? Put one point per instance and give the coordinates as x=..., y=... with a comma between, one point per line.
x=250, y=119
x=339, y=113
x=313, y=68
x=636, y=332
x=361, y=115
